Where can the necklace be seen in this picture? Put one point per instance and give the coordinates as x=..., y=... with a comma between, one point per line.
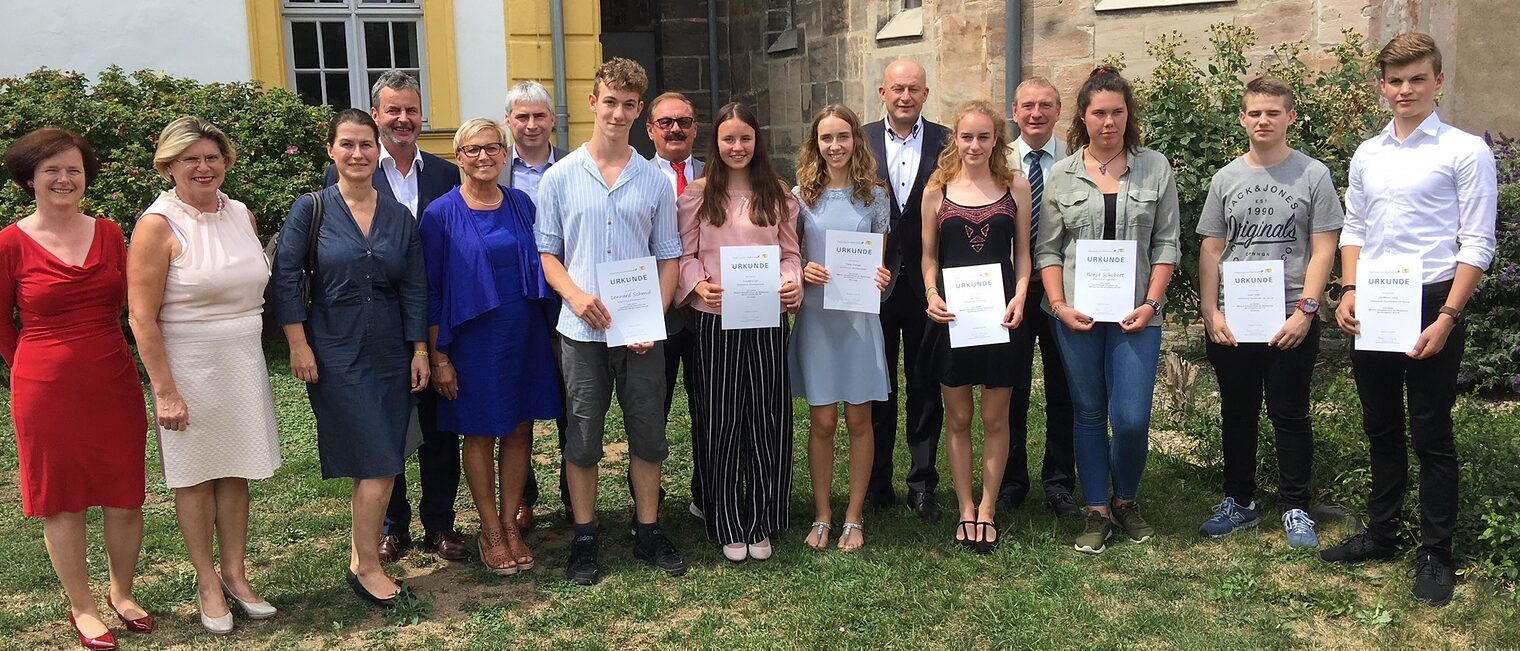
x=487, y=204
x=220, y=202
x=1103, y=166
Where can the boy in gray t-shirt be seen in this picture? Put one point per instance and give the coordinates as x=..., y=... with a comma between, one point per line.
x=1273, y=203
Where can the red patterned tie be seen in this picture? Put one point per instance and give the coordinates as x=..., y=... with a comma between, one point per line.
x=680, y=169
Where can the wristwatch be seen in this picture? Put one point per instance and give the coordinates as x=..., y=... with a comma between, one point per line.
x=1155, y=305
x=1308, y=306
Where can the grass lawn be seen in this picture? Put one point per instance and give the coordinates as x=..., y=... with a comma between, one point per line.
x=910, y=588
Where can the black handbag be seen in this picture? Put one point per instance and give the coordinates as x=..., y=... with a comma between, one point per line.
x=273, y=330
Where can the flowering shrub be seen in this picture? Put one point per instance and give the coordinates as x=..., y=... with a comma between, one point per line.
x=1492, y=359
x=280, y=140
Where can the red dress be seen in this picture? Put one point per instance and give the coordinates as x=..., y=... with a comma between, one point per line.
x=77, y=403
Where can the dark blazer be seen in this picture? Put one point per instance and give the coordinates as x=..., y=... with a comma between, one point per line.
x=905, y=246
x=506, y=174
x=436, y=178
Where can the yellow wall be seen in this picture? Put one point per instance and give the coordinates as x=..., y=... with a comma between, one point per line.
x=530, y=53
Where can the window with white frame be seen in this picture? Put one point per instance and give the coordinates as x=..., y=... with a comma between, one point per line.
x=337, y=48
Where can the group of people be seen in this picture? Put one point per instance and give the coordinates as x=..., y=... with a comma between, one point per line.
x=424, y=300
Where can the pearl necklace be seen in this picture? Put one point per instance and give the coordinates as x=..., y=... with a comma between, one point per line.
x=220, y=202
x=488, y=205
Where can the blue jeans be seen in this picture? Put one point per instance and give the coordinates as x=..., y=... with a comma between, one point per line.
x=1112, y=375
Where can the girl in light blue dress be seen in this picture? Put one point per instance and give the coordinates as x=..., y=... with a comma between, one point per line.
x=837, y=356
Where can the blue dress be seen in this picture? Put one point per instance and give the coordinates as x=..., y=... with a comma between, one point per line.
x=834, y=355
x=487, y=295
x=369, y=304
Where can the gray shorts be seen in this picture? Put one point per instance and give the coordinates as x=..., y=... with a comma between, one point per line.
x=591, y=371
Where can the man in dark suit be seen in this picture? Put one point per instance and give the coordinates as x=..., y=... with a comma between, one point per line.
x=672, y=127
x=415, y=178
x=907, y=148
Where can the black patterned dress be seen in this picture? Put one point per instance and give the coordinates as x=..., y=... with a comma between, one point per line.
x=971, y=236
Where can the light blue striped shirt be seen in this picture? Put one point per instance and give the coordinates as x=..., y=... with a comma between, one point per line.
x=586, y=223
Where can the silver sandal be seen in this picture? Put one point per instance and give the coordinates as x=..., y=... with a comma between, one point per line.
x=819, y=527
x=845, y=532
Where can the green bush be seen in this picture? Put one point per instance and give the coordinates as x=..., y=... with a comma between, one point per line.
x=280, y=140
x=1492, y=359
x=1190, y=112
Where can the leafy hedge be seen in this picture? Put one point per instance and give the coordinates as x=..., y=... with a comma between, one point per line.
x=1492, y=360
x=280, y=140
x=1190, y=112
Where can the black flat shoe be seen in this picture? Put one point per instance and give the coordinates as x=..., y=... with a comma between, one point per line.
x=982, y=545
x=358, y=588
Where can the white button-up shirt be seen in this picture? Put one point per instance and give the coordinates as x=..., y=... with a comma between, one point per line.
x=1054, y=151
x=1434, y=194
x=404, y=186
x=903, y=155
x=670, y=172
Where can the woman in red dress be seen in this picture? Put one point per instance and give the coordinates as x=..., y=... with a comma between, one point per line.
x=76, y=401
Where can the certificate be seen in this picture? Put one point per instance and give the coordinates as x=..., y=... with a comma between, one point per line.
x=751, y=286
x=631, y=291
x=852, y=259
x=975, y=296
x=1388, y=303
x=1255, y=299
x=1105, y=282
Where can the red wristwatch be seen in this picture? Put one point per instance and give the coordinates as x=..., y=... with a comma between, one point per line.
x=1308, y=306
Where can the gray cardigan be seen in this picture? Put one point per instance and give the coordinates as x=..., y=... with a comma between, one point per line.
x=1146, y=212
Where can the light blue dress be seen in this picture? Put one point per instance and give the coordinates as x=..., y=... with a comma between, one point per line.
x=833, y=355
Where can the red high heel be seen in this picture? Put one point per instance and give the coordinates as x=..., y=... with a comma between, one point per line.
x=144, y=624
x=105, y=642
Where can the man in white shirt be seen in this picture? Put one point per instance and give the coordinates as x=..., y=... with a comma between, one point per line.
x=1036, y=109
x=672, y=127
x=414, y=178
x=1424, y=188
x=532, y=125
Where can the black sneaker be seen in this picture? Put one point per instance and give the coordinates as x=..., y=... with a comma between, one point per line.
x=1064, y=506
x=1433, y=580
x=582, y=568
x=655, y=549
x=1361, y=547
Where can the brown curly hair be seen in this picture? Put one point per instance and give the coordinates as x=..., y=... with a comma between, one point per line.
x=950, y=161
x=813, y=172
x=621, y=74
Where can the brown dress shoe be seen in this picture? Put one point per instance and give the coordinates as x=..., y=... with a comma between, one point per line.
x=524, y=519
x=448, y=545
x=393, y=547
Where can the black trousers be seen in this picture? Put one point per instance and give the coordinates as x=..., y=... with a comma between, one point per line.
x=1247, y=373
x=680, y=349
x=438, y=467
x=1383, y=380
x=1058, y=470
x=903, y=323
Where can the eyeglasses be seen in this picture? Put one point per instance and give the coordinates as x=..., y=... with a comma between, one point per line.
x=475, y=150
x=195, y=161
x=667, y=123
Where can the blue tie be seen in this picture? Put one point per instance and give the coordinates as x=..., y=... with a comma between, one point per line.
x=1036, y=188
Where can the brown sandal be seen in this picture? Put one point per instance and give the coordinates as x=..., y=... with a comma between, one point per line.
x=494, y=553
x=517, y=548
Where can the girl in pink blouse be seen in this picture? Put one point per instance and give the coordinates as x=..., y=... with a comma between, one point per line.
x=741, y=399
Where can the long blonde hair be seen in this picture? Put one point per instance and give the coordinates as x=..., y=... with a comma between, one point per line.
x=813, y=172
x=950, y=161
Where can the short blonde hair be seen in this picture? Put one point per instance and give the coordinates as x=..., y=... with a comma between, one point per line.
x=473, y=126
x=183, y=132
x=621, y=74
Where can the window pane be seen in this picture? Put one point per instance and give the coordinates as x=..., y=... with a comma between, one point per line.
x=309, y=87
x=304, y=45
x=405, y=43
x=377, y=45
x=337, y=90
x=334, y=46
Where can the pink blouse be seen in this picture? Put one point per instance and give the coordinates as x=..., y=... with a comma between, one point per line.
x=700, y=241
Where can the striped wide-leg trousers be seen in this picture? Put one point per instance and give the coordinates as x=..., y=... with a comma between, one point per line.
x=743, y=404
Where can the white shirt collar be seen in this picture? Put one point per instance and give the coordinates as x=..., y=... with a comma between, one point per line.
x=1049, y=148
x=385, y=155
x=918, y=129
x=512, y=162
x=1431, y=126
x=665, y=164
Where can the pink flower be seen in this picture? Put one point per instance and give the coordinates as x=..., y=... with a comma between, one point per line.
x=291, y=149
x=115, y=195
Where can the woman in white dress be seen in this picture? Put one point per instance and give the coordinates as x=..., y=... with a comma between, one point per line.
x=195, y=291
x=837, y=356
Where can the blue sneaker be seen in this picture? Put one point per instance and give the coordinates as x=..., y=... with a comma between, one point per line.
x=1300, y=530
x=1228, y=518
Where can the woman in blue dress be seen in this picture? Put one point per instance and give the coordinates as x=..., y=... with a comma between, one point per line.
x=835, y=355
x=361, y=344
x=488, y=327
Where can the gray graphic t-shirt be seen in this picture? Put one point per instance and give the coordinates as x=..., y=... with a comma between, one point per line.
x=1269, y=214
